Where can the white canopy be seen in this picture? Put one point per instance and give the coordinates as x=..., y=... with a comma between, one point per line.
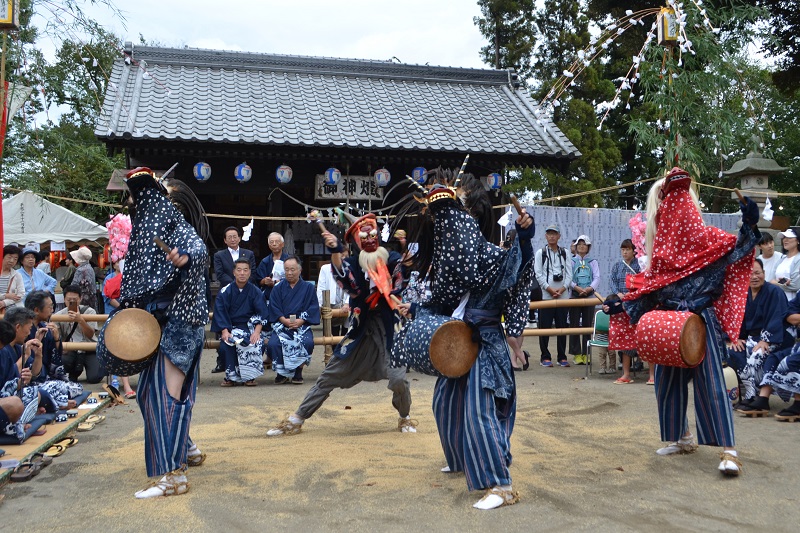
x=30, y=218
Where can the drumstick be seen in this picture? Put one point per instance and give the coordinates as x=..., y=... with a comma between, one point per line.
x=161, y=244
x=739, y=194
x=515, y=203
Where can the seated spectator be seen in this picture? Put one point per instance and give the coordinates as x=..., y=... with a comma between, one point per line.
x=769, y=257
x=84, y=276
x=11, y=407
x=52, y=378
x=12, y=287
x=781, y=375
x=762, y=331
x=293, y=309
x=15, y=376
x=339, y=299
x=240, y=314
x=33, y=278
x=79, y=330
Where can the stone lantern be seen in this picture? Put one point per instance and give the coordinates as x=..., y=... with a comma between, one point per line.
x=754, y=172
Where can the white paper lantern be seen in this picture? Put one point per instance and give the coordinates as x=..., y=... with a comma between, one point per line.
x=382, y=177
x=284, y=174
x=202, y=171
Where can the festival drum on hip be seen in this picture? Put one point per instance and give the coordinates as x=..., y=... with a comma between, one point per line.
x=127, y=342
x=435, y=345
x=671, y=338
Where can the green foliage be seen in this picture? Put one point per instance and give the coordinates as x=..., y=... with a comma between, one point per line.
x=700, y=112
x=508, y=27
x=563, y=29
x=62, y=156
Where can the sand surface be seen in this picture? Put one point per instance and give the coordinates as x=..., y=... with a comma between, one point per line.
x=583, y=461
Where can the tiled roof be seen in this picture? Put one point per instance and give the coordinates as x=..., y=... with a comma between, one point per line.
x=262, y=99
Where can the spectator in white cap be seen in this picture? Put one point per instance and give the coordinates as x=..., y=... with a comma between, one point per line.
x=787, y=275
x=84, y=276
x=585, y=281
x=554, y=273
x=34, y=279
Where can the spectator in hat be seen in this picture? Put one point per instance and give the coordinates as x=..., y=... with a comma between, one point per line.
x=787, y=274
x=35, y=279
x=585, y=281
x=554, y=273
x=84, y=276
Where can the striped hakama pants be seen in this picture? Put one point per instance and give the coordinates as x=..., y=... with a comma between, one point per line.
x=475, y=428
x=713, y=412
x=166, y=420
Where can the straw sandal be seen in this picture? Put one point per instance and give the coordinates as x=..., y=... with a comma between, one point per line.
x=729, y=464
x=406, y=425
x=168, y=486
x=497, y=497
x=41, y=459
x=286, y=427
x=195, y=460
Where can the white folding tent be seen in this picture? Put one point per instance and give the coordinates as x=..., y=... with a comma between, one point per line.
x=30, y=218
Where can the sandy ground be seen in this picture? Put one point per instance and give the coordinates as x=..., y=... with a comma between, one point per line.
x=583, y=460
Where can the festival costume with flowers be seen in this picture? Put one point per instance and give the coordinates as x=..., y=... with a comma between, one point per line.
x=475, y=413
x=178, y=297
x=703, y=270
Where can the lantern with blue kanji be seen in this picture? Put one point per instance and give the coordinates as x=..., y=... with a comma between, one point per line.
x=283, y=174
x=495, y=180
x=332, y=176
x=382, y=177
x=419, y=174
x=202, y=171
x=243, y=173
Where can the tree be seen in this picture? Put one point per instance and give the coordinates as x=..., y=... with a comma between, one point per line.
x=563, y=29
x=784, y=46
x=508, y=26
x=61, y=157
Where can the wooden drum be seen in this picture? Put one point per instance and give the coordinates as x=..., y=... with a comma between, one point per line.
x=127, y=341
x=671, y=338
x=436, y=345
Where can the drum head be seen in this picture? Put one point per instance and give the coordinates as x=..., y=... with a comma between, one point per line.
x=452, y=350
x=693, y=341
x=132, y=335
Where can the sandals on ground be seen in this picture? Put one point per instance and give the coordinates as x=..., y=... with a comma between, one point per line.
x=168, y=486
x=497, y=497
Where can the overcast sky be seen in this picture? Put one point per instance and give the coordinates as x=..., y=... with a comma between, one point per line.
x=438, y=32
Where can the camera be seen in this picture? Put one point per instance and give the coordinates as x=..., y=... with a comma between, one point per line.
x=558, y=277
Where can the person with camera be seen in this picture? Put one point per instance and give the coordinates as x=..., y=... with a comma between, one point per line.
x=554, y=273
x=79, y=330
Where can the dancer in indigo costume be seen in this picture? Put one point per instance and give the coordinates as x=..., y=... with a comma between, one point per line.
x=474, y=280
x=172, y=286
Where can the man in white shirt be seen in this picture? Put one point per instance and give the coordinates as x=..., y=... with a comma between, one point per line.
x=769, y=256
x=340, y=299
